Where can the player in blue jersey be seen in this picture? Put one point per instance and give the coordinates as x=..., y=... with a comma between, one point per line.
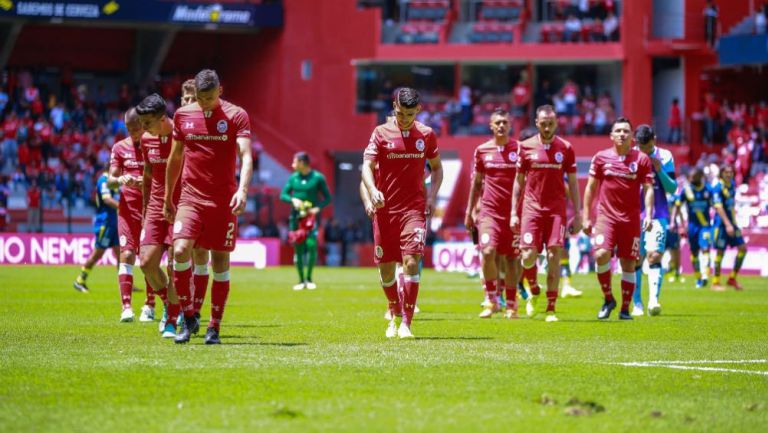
x=697, y=196
x=654, y=242
x=726, y=232
x=104, y=227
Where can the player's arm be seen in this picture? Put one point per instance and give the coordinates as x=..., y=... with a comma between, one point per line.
x=589, y=199
x=106, y=195
x=474, y=195
x=717, y=203
x=326, y=197
x=434, y=186
x=237, y=202
x=517, y=189
x=377, y=198
x=573, y=192
x=172, y=172
x=648, y=197
x=370, y=209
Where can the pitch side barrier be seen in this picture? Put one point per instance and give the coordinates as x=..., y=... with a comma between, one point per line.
x=74, y=249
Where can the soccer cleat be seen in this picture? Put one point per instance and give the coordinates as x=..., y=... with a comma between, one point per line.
x=195, y=325
x=404, y=331
x=530, y=305
x=147, y=314
x=391, y=329
x=654, y=309
x=637, y=310
x=310, y=285
x=735, y=284
x=212, y=336
x=416, y=309
x=605, y=311
x=502, y=302
x=184, y=333
x=570, y=291
x=388, y=315
x=127, y=315
x=163, y=320
x=299, y=286
x=169, y=331
x=624, y=315
x=489, y=310
x=80, y=287
x=511, y=314
x=717, y=287
x=551, y=317
x=701, y=283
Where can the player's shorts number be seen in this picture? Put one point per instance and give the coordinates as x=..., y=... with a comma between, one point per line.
x=420, y=234
x=636, y=247
x=230, y=234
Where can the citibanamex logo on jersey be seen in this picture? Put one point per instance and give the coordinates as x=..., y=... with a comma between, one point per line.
x=559, y=157
x=222, y=126
x=379, y=252
x=420, y=145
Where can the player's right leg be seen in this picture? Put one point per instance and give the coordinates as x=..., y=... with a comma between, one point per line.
x=388, y=279
x=150, y=258
x=80, y=281
x=490, y=277
x=200, y=257
x=299, y=254
x=512, y=278
x=603, y=264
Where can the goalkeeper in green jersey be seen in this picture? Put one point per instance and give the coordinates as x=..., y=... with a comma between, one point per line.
x=303, y=191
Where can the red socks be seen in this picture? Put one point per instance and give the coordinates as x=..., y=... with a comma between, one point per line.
x=531, y=275
x=604, y=278
x=627, y=289
x=551, y=300
x=200, y=286
x=393, y=299
x=181, y=280
x=219, y=294
x=490, y=291
x=410, y=293
x=150, y=294
x=125, y=279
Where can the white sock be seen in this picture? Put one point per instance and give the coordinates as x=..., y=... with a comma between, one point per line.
x=200, y=270
x=655, y=277
x=221, y=276
x=182, y=266
x=124, y=269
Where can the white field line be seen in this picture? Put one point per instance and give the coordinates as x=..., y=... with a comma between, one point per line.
x=677, y=365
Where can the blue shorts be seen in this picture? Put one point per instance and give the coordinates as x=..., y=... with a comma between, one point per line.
x=106, y=235
x=673, y=240
x=722, y=240
x=656, y=238
x=699, y=237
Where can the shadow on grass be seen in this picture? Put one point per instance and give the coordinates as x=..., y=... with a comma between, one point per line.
x=245, y=325
x=441, y=319
x=244, y=343
x=454, y=338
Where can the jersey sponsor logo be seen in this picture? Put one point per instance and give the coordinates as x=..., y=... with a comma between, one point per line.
x=222, y=126
x=420, y=145
x=630, y=176
x=559, y=157
x=203, y=137
x=528, y=238
x=188, y=125
x=405, y=155
x=379, y=251
x=546, y=165
x=633, y=167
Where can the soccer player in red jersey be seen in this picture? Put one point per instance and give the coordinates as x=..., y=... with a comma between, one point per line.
x=398, y=150
x=620, y=171
x=126, y=170
x=156, y=237
x=494, y=174
x=208, y=135
x=542, y=162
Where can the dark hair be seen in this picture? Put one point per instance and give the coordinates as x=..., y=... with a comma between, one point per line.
x=408, y=97
x=621, y=120
x=725, y=166
x=545, y=108
x=499, y=111
x=675, y=101
x=152, y=104
x=206, y=80
x=188, y=86
x=131, y=116
x=302, y=157
x=527, y=133
x=644, y=134
x=696, y=171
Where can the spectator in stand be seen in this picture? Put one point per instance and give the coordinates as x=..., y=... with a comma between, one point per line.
x=743, y=164
x=10, y=143
x=570, y=94
x=710, y=23
x=572, y=29
x=597, y=31
x=521, y=99
x=761, y=19
x=3, y=100
x=5, y=192
x=611, y=27
x=711, y=116
x=465, y=99
x=675, y=122
x=34, y=221
x=545, y=94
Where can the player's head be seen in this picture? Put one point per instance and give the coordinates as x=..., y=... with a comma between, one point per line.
x=500, y=123
x=207, y=89
x=621, y=132
x=152, y=112
x=133, y=124
x=727, y=173
x=546, y=121
x=188, y=91
x=300, y=161
x=407, y=104
x=527, y=133
x=645, y=138
x=696, y=176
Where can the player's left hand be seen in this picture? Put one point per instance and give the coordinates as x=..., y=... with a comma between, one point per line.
x=575, y=225
x=647, y=225
x=730, y=230
x=430, y=206
x=314, y=210
x=237, y=203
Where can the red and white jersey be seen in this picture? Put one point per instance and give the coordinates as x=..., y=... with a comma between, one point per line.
x=156, y=150
x=210, y=150
x=498, y=165
x=401, y=157
x=127, y=158
x=544, y=166
x=621, y=177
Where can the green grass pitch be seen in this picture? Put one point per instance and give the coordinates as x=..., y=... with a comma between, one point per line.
x=319, y=361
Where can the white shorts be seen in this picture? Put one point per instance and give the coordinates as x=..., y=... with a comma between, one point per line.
x=656, y=238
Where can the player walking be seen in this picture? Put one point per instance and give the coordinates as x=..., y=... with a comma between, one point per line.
x=697, y=196
x=726, y=233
